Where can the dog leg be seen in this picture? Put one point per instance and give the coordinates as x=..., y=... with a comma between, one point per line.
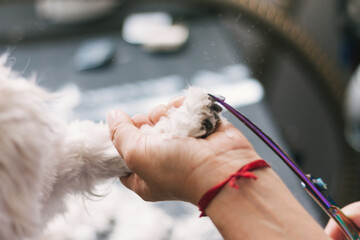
x=90, y=156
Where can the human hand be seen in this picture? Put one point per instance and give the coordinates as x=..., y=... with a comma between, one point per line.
x=353, y=212
x=178, y=168
x=184, y=168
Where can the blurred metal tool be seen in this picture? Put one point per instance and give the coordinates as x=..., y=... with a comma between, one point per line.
x=315, y=187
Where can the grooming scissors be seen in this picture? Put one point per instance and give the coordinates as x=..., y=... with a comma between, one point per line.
x=316, y=188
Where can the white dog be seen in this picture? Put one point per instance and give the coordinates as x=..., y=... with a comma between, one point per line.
x=43, y=159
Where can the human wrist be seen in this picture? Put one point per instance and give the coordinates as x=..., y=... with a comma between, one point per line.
x=264, y=207
x=244, y=172
x=214, y=170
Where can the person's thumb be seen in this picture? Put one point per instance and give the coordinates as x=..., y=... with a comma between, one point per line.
x=124, y=134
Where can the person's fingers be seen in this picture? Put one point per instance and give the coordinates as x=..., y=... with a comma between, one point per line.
x=139, y=186
x=157, y=112
x=140, y=119
x=134, y=183
x=333, y=231
x=121, y=130
x=176, y=102
x=128, y=181
x=353, y=212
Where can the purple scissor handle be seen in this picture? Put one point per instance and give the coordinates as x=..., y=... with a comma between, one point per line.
x=315, y=187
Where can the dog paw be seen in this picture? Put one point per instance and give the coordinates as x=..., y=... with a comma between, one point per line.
x=197, y=117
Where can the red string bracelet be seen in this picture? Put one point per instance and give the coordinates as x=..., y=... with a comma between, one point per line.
x=243, y=172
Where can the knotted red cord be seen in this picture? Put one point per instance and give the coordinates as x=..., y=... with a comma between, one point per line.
x=243, y=172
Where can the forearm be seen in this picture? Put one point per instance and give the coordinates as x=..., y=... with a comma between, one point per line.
x=261, y=209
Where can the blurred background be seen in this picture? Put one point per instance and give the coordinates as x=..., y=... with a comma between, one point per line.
x=289, y=65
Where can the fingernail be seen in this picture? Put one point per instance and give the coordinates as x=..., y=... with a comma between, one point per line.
x=112, y=116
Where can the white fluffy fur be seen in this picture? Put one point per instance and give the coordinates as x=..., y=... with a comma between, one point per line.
x=188, y=119
x=43, y=159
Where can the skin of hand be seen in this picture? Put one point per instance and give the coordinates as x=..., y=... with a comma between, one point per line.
x=181, y=163
x=353, y=212
x=185, y=168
